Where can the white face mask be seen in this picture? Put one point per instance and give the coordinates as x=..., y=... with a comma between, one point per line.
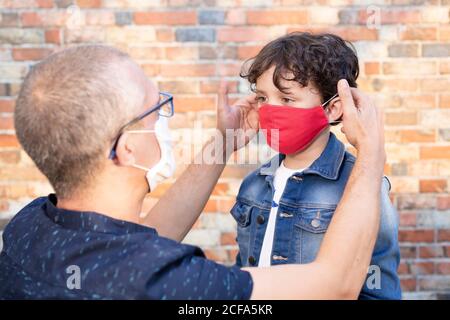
x=165, y=167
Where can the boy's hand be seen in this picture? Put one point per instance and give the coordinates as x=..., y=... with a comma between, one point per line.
x=362, y=120
x=242, y=117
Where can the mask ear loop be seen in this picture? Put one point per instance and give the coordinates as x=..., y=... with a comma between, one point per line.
x=328, y=101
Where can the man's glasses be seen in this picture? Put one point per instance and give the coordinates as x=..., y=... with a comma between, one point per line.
x=164, y=107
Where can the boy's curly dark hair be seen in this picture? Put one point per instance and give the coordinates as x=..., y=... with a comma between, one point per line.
x=322, y=59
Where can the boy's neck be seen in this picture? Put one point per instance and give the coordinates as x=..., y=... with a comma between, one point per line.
x=305, y=158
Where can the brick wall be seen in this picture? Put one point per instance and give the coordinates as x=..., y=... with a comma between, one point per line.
x=187, y=46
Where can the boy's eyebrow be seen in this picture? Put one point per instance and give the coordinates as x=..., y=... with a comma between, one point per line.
x=259, y=91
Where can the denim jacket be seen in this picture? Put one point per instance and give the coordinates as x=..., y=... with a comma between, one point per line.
x=304, y=213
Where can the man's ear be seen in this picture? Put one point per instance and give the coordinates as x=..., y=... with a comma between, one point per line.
x=334, y=110
x=125, y=151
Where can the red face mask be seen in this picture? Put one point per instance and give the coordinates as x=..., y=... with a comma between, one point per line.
x=288, y=129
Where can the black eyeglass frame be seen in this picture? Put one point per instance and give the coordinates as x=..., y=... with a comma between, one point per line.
x=158, y=106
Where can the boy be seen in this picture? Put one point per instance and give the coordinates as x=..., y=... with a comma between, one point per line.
x=283, y=211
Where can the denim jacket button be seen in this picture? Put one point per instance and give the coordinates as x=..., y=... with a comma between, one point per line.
x=252, y=260
x=315, y=223
x=260, y=219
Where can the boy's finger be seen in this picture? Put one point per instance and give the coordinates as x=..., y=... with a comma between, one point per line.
x=251, y=100
x=346, y=97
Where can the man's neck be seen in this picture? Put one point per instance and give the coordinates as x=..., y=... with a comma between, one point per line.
x=305, y=158
x=117, y=204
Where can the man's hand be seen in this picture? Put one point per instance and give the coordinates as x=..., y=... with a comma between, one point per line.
x=362, y=121
x=242, y=117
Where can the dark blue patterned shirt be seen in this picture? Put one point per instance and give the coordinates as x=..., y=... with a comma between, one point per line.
x=51, y=253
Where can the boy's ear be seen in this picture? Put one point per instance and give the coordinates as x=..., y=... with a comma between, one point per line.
x=334, y=110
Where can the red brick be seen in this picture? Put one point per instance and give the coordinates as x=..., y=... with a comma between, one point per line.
x=435, y=85
x=417, y=136
x=212, y=86
x=89, y=3
x=31, y=19
x=408, y=284
x=218, y=255
x=406, y=16
x=211, y=206
x=9, y=156
x=417, y=235
x=228, y=69
x=431, y=252
x=4, y=206
x=408, y=252
x=151, y=70
x=443, y=235
x=443, y=268
x=53, y=36
x=419, y=268
x=7, y=105
x=247, y=52
x=401, y=118
x=6, y=122
x=447, y=251
x=228, y=238
x=354, y=33
x=185, y=70
x=185, y=104
x=181, y=53
x=408, y=219
x=272, y=17
x=8, y=140
x=165, y=35
x=443, y=202
x=166, y=18
x=403, y=268
x=419, y=33
x=22, y=54
x=435, y=152
x=220, y=189
x=242, y=34
x=371, y=68
x=24, y=174
x=16, y=191
x=444, y=101
x=433, y=185
x=44, y=3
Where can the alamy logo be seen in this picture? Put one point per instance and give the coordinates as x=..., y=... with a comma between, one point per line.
x=74, y=279
x=373, y=277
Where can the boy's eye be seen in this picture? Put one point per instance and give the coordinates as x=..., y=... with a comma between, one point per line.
x=287, y=100
x=260, y=99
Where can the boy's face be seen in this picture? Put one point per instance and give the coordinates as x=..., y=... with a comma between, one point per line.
x=294, y=96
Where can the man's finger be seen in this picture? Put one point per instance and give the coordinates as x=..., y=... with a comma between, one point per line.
x=346, y=97
x=223, y=95
x=360, y=99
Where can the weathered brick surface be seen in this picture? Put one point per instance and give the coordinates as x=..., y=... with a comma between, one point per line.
x=187, y=46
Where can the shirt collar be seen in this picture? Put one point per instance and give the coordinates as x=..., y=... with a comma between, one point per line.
x=90, y=221
x=326, y=166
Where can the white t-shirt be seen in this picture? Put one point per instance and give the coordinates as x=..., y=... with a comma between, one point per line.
x=279, y=182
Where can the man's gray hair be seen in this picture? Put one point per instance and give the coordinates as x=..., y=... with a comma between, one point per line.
x=69, y=110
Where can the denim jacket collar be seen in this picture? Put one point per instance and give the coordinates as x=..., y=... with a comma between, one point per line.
x=326, y=166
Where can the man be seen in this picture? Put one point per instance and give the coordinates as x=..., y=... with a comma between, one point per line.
x=93, y=124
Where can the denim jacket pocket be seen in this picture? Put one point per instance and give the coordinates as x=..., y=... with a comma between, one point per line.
x=310, y=227
x=242, y=214
x=314, y=220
